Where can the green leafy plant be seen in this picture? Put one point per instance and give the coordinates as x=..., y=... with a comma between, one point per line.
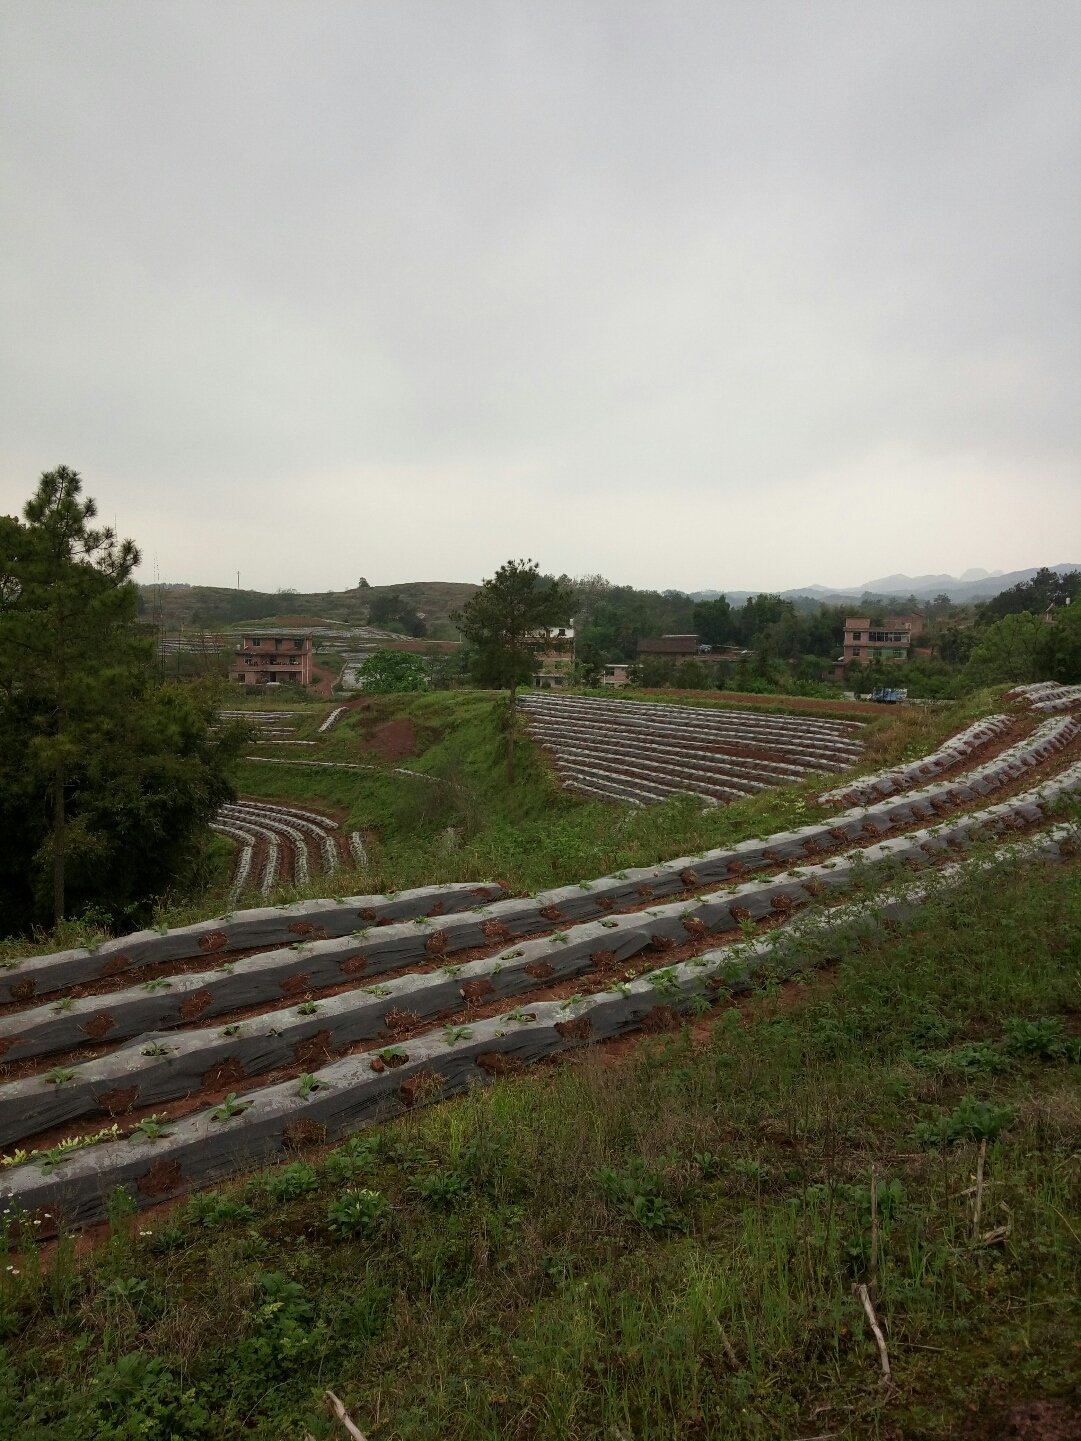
x=65, y=1003
x=971, y=1120
x=444, y=1190
x=351, y=1159
x=1044, y=1038
x=288, y=1183
x=229, y=1107
x=357, y=1213
x=157, y=983
x=157, y=1048
x=307, y=1008
x=519, y=1015
x=58, y=1076
x=150, y=1128
x=309, y=1083
x=453, y=1034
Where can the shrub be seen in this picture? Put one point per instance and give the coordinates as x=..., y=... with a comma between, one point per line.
x=357, y=1213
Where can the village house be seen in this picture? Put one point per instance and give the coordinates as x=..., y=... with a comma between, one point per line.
x=616, y=674
x=891, y=641
x=553, y=657
x=273, y=658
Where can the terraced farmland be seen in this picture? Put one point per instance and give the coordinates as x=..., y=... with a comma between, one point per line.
x=642, y=753
x=216, y=1046
x=278, y=843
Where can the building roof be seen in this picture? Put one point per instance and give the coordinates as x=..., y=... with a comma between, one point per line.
x=668, y=645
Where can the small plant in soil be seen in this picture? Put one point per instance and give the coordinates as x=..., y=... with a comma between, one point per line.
x=971, y=1120
x=150, y=1128
x=699, y=1006
x=288, y=1183
x=357, y=1213
x=157, y=983
x=58, y=1076
x=1045, y=1038
x=351, y=1159
x=665, y=982
x=310, y=1083
x=570, y=1001
x=522, y=1017
x=232, y=1030
x=213, y=1212
x=609, y=924
x=229, y=1108
x=307, y=1008
x=378, y=990
x=559, y=938
x=451, y=970
x=443, y=1189
x=393, y=1056
x=453, y=1034
x=156, y=1049
x=65, y=1003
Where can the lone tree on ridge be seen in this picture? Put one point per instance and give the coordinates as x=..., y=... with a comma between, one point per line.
x=505, y=623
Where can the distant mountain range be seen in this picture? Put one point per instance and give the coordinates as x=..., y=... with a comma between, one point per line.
x=975, y=584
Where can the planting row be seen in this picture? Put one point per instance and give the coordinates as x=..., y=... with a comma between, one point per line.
x=627, y=751
x=163, y=1160
x=24, y=978
x=166, y=1064
x=35, y=976
x=828, y=740
x=900, y=778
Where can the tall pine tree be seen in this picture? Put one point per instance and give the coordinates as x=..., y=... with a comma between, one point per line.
x=107, y=783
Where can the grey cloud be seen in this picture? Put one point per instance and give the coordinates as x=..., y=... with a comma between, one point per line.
x=607, y=284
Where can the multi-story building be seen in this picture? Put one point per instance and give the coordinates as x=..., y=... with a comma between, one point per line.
x=890, y=641
x=277, y=657
x=553, y=657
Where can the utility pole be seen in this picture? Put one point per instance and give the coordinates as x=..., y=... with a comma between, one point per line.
x=238, y=580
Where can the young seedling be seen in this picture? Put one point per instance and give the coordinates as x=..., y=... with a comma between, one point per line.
x=378, y=990
x=229, y=1108
x=157, y=1049
x=232, y=1030
x=570, y=1001
x=65, y=1003
x=393, y=1055
x=523, y=1017
x=58, y=1076
x=151, y=1128
x=609, y=925
x=310, y=1083
x=157, y=983
x=307, y=1008
x=451, y=970
x=453, y=1034
x=559, y=938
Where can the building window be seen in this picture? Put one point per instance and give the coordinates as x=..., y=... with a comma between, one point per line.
x=855, y=652
x=857, y=635
x=255, y=640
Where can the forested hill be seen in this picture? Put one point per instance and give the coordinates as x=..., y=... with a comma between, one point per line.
x=210, y=606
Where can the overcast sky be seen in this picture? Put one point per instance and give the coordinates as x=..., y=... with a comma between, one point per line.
x=734, y=295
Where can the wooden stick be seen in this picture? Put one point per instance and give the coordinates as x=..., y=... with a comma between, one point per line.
x=880, y=1340
x=343, y=1416
x=977, y=1205
x=873, y=1277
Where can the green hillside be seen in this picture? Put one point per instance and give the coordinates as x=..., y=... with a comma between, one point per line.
x=216, y=607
